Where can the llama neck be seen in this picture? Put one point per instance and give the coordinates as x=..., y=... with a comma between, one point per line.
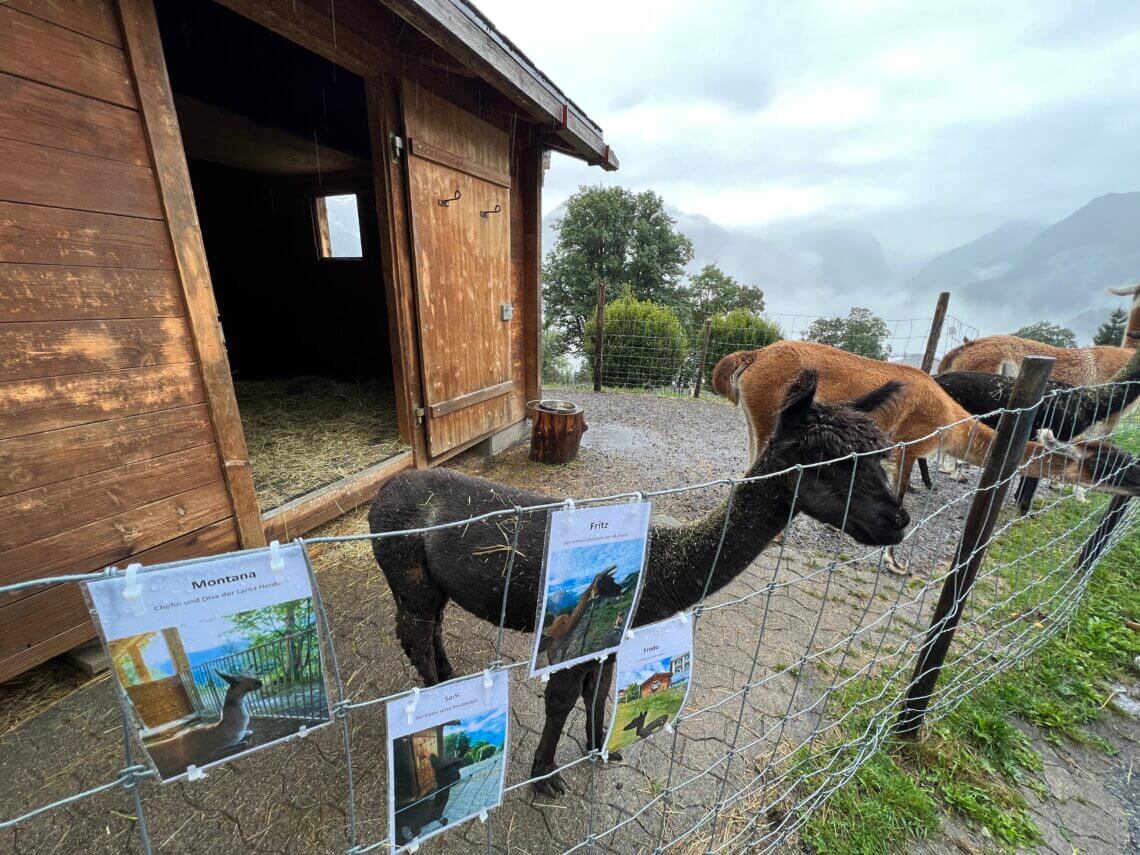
x=680, y=558
x=1036, y=462
x=233, y=709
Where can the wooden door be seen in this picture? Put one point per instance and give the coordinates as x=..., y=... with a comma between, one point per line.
x=462, y=267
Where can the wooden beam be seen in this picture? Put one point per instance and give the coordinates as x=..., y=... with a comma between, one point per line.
x=307, y=512
x=419, y=148
x=471, y=398
x=156, y=102
x=384, y=122
x=530, y=175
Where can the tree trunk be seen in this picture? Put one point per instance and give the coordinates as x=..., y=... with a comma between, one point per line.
x=557, y=430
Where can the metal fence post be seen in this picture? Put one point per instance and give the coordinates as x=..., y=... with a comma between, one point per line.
x=932, y=340
x=703, y=357
x=599, y=333
x=1005, y=454
x=1113, y=514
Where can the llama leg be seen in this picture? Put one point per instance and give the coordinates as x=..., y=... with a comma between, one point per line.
x=418, y=611
x=924, y=471
x=561, y=694
x=899, y=473
x=595, y=694
x=1025, y=491
x=443, y=668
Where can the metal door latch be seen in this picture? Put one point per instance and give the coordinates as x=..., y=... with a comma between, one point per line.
x=420, y=413
x=508, y=311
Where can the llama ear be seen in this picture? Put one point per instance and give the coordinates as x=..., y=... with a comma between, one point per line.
x=877, y=398
x=797, y=401
x=1134, y=334
x=229, y=678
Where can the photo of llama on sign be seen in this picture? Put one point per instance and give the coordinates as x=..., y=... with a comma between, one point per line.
x=216, y=658
x=594, y=562
x=447, y=755
x=653, y=675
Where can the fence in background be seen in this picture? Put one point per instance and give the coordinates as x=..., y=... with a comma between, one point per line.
x=290, y=668
x=650, y=355
x=808, y=662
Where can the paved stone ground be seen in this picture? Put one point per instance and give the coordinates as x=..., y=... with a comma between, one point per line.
x=822, y=608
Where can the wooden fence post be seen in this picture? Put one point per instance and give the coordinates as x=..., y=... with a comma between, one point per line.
x=704, y=355
x=1005, y=454
x=932, y=340
x=1113, y=514
x=599, y=333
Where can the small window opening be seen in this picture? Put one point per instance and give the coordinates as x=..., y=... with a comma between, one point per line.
x=338, y=226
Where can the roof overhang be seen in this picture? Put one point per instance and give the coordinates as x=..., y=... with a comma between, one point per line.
x=467, y=34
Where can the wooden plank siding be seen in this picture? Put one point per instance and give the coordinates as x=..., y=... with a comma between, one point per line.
x=107, y=449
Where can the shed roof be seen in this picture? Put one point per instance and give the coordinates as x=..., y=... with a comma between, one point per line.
x=460, y=28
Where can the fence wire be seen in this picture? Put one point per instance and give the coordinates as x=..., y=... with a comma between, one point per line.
x=801, y=664
x=651, y=355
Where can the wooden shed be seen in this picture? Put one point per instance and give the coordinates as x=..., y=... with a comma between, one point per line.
x=334, y=204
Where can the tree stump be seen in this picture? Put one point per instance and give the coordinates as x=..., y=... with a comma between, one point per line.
x=557, y=428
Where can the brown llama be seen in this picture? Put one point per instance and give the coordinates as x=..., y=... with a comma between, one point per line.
x=1002, y=354
x=755, y=380
x=1131, y=337
x=554, y=637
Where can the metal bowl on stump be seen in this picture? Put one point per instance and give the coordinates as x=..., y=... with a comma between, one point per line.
x=557, y=428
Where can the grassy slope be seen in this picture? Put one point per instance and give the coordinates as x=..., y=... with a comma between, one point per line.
x=667, y=703
x=974, y=761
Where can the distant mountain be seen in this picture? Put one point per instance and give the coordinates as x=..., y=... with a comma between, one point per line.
x=827, y=263
x=988, y=257
x=1060, y=273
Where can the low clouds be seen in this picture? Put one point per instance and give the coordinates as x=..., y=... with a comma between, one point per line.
x=924, y=124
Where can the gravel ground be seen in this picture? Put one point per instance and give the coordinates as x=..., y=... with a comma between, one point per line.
x=801, y=621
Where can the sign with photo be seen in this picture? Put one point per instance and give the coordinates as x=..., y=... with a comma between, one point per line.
x=594, y=561
x=653, y=675
x=447, y=755
x=217, y=657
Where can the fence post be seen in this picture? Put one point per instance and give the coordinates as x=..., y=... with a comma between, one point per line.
x=932, y=340
x=1113, y=514
x=1005, y=454
x=703, y=357
x=599, y=332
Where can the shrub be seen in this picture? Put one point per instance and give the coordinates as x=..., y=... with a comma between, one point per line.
x=739, y=329
x=556, y=367
x=643, y=344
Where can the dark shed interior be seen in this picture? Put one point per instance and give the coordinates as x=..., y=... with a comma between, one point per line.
x=278, y=147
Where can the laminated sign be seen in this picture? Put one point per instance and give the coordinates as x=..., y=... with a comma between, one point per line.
x=595, y=558
x=653, y=675
x=217, y=657
x=447, y=756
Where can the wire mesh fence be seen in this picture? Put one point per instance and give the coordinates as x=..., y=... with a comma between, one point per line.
x=665, y=349
x=802, y=663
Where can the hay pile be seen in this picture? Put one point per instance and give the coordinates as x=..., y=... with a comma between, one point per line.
x=307, y=432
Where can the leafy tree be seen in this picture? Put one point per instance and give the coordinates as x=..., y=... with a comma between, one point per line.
x=619, y=237
x=1112, y=330
x=736, y=330
x=1048, y=332
x=642, y=344
x=632, y=692
x=282, y=621
x=860, y=332
x=556, y=367
x=713, y=292
x=456, y=744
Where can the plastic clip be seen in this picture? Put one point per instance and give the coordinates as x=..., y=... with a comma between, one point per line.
x=132, y=589
x=488, y=684
x=637, y=497
x=276, y=559
x=683, y=617
x=193, y=773
x=302, y=732
x=483, y=815
x=568, y=505
x=410, y=708
x=546, y=676
x=629, y=634
x=414, y=846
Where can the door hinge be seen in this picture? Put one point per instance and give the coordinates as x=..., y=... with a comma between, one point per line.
x=397, y=145
x=420, y=413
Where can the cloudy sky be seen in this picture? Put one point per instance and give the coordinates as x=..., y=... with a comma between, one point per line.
x=928, y=123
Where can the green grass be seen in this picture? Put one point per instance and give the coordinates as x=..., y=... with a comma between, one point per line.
x=975, y=762
x=666, y=703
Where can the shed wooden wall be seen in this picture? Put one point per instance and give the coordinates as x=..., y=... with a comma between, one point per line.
x=107, y=450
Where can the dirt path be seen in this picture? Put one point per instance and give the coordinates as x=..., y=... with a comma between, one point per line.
x=798, y=624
